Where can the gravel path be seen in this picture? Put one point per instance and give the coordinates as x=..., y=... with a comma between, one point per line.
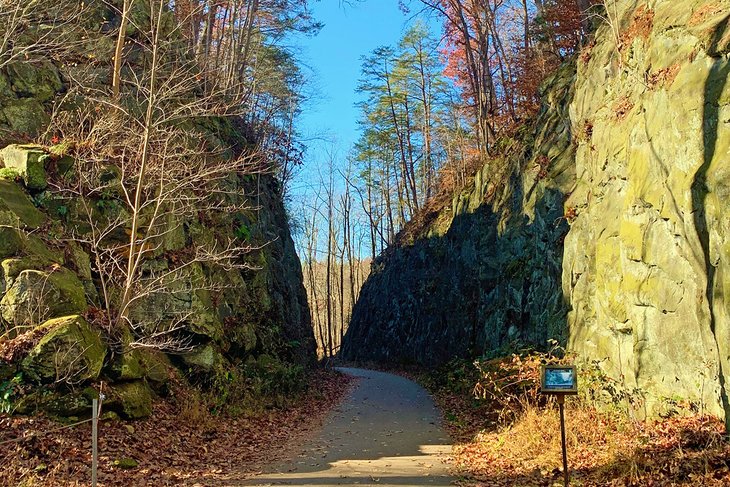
x=385, y=433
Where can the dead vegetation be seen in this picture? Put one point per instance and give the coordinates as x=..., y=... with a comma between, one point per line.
x=706, y=12
x=641, y=26
x=508, y=435
x=663, y=78
x=621, y=108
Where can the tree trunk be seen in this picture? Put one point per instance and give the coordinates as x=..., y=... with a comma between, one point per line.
x=119, y=49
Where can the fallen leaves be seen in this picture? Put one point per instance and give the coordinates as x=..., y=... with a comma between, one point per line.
x=605, y=448
x=167, y=451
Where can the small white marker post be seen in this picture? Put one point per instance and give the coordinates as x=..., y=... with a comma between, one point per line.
x=560, y=381
x=96, y=409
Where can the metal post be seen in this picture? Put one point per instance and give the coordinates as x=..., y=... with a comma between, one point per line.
x=94, y=440
x=561, y=404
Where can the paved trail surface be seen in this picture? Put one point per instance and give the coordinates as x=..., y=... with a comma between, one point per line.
x=386, y=433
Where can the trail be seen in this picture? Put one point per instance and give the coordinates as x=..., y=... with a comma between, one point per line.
x=385, y=433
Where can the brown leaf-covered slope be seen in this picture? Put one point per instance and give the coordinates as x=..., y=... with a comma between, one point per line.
x=179, y=445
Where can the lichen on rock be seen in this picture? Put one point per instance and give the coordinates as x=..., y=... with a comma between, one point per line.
x=36, y=296
x=70, y=352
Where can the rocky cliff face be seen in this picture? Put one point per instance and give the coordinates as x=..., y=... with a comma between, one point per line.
x=630, y=159
x=476, y=278
x=257, y=323
x=645, y=258
x=248, y=325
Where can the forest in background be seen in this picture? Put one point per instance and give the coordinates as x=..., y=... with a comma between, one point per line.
x=434, y=108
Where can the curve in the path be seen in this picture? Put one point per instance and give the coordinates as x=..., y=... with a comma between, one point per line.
x=386, y=433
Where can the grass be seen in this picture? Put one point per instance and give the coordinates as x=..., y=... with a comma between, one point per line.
x=506, y=433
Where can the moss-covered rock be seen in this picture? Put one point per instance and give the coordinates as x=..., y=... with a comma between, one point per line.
x=29, y=161
x=157, y=367
x=52, y=401
x=80, y=262
x=10, y=269
x=132, y=400
x=38, y=80
x=38, y=281
x=126, y=366
x=9, y=173
x=11, y=241
x=188, y=296
x=25, y=116
x=38, y=295
x=5, y=91
x=16, y=208
x=204, y=358
x=71, y=351
x=126, y=463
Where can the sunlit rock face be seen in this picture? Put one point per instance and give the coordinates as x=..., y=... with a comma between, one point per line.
x=646, y=257
x=619, y=252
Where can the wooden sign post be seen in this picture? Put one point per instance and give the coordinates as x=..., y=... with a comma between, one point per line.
x=560, y=381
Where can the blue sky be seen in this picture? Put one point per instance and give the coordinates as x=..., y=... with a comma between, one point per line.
x=333, y=57
x=331, y=61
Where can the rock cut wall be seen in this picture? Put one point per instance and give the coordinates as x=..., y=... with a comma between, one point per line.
x=483, y=275
x=637, y=161
x=246, y=326
x=646, y=258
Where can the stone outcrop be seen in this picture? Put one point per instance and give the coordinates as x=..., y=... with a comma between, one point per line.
x=46, y=285
x=70, y=350
x=51, y=294
x=646, y=258
x=477, y=279
x=637, y=170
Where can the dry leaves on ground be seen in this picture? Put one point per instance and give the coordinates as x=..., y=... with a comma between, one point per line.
x=215, y=451
x=605, y=447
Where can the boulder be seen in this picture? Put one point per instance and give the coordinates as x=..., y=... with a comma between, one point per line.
x=11, y=241
x=37, y=295
x=126, y=366
x=16, y=208
x=29, y=160
x=71, y=351
x=132, y=400
x=204, y=358
x=64, y=405
x=156, y=366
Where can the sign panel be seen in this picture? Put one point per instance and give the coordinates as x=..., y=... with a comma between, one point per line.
x=559, y=379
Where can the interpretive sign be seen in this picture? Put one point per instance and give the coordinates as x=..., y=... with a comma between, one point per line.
x=559, y=379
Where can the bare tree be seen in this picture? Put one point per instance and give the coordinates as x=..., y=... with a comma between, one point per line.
x=22, y=39
x=140, y=153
